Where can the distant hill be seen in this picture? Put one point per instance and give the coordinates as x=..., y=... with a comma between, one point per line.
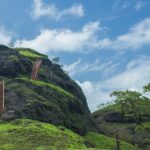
x=109, y=119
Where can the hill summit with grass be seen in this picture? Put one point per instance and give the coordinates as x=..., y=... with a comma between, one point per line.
x=53, y=98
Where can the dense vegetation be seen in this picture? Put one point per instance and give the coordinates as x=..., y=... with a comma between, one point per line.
x=30, y=135
x=128, y=117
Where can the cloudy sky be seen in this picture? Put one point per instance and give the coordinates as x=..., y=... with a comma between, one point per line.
x=103, y=44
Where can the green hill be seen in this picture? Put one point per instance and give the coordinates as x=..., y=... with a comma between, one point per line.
x=24, y=134
x=109, y=119
x=54, y=98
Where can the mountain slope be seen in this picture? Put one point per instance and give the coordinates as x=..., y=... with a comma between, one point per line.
x=24, y=134
x=33, y=135
x=55, y=98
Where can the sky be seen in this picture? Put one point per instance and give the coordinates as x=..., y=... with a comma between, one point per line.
x=104, y=45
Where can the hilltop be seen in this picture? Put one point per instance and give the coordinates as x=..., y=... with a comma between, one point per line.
x=53, y=98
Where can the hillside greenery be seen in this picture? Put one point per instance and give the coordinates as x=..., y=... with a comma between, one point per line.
x=41, y=83
x=30, y=53
x=129, y=114
x=25, y=134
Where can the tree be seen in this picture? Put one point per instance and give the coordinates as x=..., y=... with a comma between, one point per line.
x=119, y=132
x=56, y=60
x=147, y=88
x=103, y=105
x=131, y=103
x=11, y=45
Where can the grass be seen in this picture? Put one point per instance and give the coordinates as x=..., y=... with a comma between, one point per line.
x=30, y=53
x=13, y=57
x=109, y=108
x=129, y=132
x=27, y=134
x=144, y=127
x=41, y=83
x=104, y=142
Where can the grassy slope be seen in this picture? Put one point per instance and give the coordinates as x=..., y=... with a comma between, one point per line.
x=104, y=142
x=34, y=135
x=30, y=53
x=27, y=134
x=52, y=86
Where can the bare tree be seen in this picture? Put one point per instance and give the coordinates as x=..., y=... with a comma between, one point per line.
x=11, y=44
x=119, y=133
x=55, y=60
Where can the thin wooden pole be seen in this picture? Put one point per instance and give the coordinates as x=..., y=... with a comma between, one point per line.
x=2, y=96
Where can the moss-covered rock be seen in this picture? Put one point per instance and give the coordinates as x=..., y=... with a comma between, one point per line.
x=54, y=98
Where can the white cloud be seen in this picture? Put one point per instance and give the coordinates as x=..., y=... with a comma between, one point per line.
x=120, y=5
x=139, y=5
x=50, y=10
x=5, y=36
x=94, y=94
x=73, y=68
x=138, y=36
x=135, y=5
x=134, y=77
x=66, y=40
x=126, y=5
x=79, y=67
x=110, y=18
x=88, y=39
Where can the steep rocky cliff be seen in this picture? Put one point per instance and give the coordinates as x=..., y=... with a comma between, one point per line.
x=54, y=98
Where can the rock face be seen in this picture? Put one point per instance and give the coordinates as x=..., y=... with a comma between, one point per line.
x=54, y=98
x=12, y=63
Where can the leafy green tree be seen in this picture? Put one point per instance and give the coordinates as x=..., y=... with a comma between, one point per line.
x=132, y=103
x=147, y=88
